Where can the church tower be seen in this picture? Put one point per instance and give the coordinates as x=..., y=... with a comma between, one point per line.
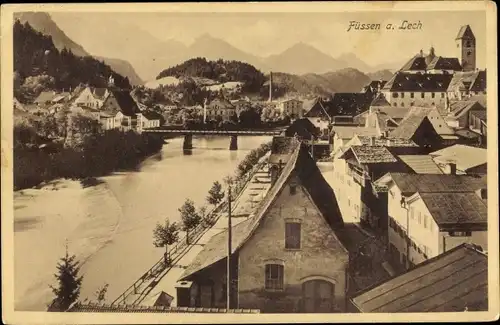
x=466, y=46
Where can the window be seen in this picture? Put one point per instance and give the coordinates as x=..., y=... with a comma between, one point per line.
x=419, y=218
x=422, y=95
x=402, y=104
x=274, y=277
x=425, y=221
x=433, y=95
x=348, y=202
x=394, y=104
x=402, y=95
x=293, y=189
x=292, y=235
x=442, y=95
x=394, y=95
x=412, y=95
x=412, y=103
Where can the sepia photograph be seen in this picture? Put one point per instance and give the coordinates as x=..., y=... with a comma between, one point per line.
x=174, y=163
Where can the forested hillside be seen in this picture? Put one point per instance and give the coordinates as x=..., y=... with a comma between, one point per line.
x=220, y=70
x=38, y=66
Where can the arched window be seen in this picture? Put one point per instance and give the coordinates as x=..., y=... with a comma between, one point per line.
x=318, y=296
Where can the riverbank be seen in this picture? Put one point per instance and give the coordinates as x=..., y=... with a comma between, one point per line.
x=109, y=226
x=98, y=155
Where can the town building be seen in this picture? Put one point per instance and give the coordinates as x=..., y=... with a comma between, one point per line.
x=466, y=84
x=219, y=108
x=291, y=107
x=466, y=46
x=302, y=128
x=121, y=105
x=467, y=159
x=431, y=64
x=91, y=97
x=407, y=89
x=418, y=128
x=478, y=124
x=44, y=98
x=430, y=214
x=280, y=252
x=148, y=119
x=358, y=165
x=458, y=113
x=455, y=281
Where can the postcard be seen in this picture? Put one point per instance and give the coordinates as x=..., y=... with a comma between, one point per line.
x=249, y=162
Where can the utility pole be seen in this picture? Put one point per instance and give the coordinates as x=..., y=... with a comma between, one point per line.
x=229, y=230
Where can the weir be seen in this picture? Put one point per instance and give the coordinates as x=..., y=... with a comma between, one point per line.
x=233, y=142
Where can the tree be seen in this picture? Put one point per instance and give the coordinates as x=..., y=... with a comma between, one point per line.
x=69, y=283
x=215, y=194
x=165, y=235
x=190, y=218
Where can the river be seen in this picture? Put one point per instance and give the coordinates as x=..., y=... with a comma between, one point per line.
x=109, y=226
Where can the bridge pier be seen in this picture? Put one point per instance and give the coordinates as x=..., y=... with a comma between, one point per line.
x=233, y=142
x=188, y=142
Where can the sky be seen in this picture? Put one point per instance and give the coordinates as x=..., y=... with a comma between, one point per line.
x=265, y=34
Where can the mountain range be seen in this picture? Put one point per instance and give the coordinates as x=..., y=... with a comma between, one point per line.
x=147, y=56
x=43, y=23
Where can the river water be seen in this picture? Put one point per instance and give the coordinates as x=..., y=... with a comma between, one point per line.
x=109, y=226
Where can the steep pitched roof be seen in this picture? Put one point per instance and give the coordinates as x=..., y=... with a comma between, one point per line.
x=461, y=108
x=348, y=132
x=468, y=80
x=380, y=100
x=415, y=63
x=407, y=128
x=427, y=82
x=128, y=105
x=437, y=183
x=451, y=209
x=45, y=96
x=440, y=63
x=372, y=154
x=348, y=103
x=303, y=128
x=482, y=115
x=451, y=282
x=311, y=179
x=465, y=32
x=317, y=108
x=421, y=164
x=465, y=157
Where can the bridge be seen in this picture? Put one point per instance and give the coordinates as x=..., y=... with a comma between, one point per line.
x=233, y=134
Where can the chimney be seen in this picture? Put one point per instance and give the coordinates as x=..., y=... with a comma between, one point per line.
x=482, y=193
x=421, y=53
x=452, y=168
x=270, y=86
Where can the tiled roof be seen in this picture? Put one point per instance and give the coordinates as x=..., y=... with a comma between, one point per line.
x=465, y=32
x=387, y=142
x=481, y=99
x=480, y=83
x=482, y=115
x=421, y=164
x=465, y=157
x=428, y=82
x=348, y=132
x=451, y=209
x=373, y=154
x=451, y=282
x=437, y=183
x=396, y=113
x=310, y=177
x=102, y=308
x=407, y=128
x=459, y=108
x=440, y=63
x=467, y=134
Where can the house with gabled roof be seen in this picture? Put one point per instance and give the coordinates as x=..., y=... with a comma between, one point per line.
x=418, y=128
x=287, y=256
x=467, y=84
x=123, y=107
x=91, y=97
x=455, y=281
x=430, y=214
x=44, y=98
x=458, y=113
